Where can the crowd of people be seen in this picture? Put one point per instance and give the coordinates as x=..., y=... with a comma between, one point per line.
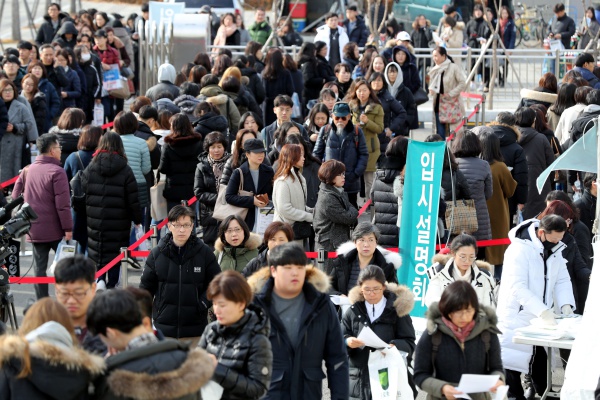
x=228, y=298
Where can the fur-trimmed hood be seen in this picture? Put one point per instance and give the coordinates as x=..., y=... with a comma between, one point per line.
x=253, y=242
x=498, y=130
x=186, y=103
x=195, y=371
x=444, y=258
x=58, y=131
x=319, y=279
x=390, y=256
x=486, y=320
x=404, y=299
x=538, y=96
x=218, y=99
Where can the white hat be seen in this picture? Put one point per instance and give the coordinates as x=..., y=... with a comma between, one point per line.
x=403, y=36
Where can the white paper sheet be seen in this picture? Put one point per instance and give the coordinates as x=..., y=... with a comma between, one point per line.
x=501, y=393
x=471, y=383
x=371, y=339
x=340, y=300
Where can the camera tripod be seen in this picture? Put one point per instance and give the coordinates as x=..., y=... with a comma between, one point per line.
x=7, y=301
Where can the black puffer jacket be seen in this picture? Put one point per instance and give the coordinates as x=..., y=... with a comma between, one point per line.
x=111, y=204
x=177, y=278
x=68, y=139
x=205, y=188
x=40, y=111
x=385, y=201
x=514, y=157
x=244, y=353
x=313, y=80
x=394, y=117
x=258, y=262
x=187, y=104
x=178, y=163
x=539, y=157
x=255, y=85
x=394, y=326
x=210, y=122
x=587, y=208
x=578, y=271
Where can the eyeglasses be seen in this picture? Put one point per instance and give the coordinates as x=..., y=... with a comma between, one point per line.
x=182, y=226
x=463, y=313
x=372, y=290
x=58, y=146
x=8, y=90
x=465, y=258
x=233, y=230
x=342, y=174
x=77, y=295
x=370, y=241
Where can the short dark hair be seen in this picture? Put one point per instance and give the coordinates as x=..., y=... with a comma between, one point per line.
x=180, y=211
x=559, y=7
x=143, y=299
x=209, y=79
x=588, y=179
x=54, y=5
x=286, y=254
x=126, y=123
x=340, y=66
x=89, y=138
x=365, y=228
x=593, y=97
x=331, y=15
x=231, y=84
x=232, y=285
x=71, y=118
x=147, y=112
x=190, y=88
x=506, y=118
x=278, y=226
x=329, y=170
x=553, y=223
x=457, y=296
x=466, y=144
x=214, y=138
x=165, y=94
x=463, y=240
x=225, y=225
x=139, y=102
x=73, y=269
x=581, y=94
x=46, y=141
x=525, y=117
x=116, y=309
x=583, y=58
x=23, y=44
x=371, y=272
x=283, y=100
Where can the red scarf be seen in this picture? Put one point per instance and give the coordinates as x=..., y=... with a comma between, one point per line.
x=460, y=333
x=503, y=23
x=103, y=151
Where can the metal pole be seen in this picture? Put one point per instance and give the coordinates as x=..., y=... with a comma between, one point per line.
x=31, y=20
x=557, y=64
x=483, y=110
x=124, y=266
x=154, y=237
x=16, y=21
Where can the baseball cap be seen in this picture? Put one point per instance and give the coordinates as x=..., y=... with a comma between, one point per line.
x=341, y=109
x=353, y=8
x=254, y=146
x=403, y=36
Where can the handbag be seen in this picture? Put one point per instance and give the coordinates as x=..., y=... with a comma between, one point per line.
x=158, y=203
x=302, y=230
x=461, y=215
x=77, y=193
x=420, y=96
x=224, y=209
x=122, y=92
x=450, y=109
x=559, y=175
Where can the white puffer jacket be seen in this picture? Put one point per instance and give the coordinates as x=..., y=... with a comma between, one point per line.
x=441, y=274
x=528, y=288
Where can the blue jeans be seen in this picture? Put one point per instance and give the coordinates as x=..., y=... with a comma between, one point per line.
x=440, y=127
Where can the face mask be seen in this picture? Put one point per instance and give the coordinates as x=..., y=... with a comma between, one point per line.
x=86, y=57
x=548, y=245
x=588, y=21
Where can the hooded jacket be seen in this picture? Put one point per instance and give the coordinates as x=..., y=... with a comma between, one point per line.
x=339, y=269
x=244, y=354
x=393, y=326
x=533, y=280
x=177, y=279
x=410, y=73
x=360, y=33
x=451, y=360
x=215, y=95
x=166, y=77
x=68, y=139
x=394, y=117
x=401, y=93
x=46, y=31
x=67, y=27
x=298, y=367
x=385, y=202
x=537, y=96
x=60, y=370
x=323, y=35
x=210, y=122
x=443, y=273
x=539, y=156
x=186, y=105
x=178, y=163
x=236, y=258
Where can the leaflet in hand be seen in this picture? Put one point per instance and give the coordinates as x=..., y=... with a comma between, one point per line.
x=370, y=338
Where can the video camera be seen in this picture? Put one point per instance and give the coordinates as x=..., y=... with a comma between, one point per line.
x=13, y=228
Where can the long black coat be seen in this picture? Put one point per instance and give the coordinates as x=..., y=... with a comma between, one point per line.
x=282, y=84
x=394, y=326
x=244, y=353
x=40, y=111
x=587, y=208
x=313, y=81
x=111, y=198
x=205, y=188
x=210, y=122
x=177, y=279
x=265, y=185
x=178, y=163
x=406, y=98
x=539, y=156
x=385, y=201
x=93, y=89
x=394, y=117
x=255, y=86
x=578, y=271
x=514, y=157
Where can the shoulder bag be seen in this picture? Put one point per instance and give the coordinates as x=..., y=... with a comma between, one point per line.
x=224, y=209
x=77, y=194
x=302, y=229
x=461, y=215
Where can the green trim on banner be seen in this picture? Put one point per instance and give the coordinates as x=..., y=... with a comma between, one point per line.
x=420, y=204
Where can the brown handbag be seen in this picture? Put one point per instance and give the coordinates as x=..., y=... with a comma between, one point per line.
x=461, y=215
x=223, y=209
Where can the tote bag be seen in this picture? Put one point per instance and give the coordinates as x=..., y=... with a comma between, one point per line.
x=461, y=215
x=224, y=209
x=158, y=203
x=388, y=375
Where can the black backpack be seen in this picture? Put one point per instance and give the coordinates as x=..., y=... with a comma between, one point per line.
x=77, y=194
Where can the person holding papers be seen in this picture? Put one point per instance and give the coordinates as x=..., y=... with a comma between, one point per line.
x=384, y=308
x=461, y=338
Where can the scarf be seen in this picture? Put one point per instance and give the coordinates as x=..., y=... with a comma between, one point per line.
x=503, y=23
x=218, y=166
x=435, y=75
x=461, y=333
x=103, y=151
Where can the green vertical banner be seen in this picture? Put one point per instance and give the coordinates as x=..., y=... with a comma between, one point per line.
x=420, y=204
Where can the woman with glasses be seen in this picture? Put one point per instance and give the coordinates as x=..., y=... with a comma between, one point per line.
x=383, y=307
x=236, y=246
x=461, y=265
x=111, y=204
x=461, y=338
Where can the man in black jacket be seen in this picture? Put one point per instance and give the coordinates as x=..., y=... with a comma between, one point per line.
x=283, y=106
x=477, y=32
x=56, y=74
x=563, y=26
x=176, y=274
x=51, y=25
x=144, y=367
x=355, y=27
x=583, y=124
x=587, y=203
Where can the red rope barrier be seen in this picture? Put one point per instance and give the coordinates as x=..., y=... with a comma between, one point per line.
x=106, y=126
x=364, y=208
x=9, y=182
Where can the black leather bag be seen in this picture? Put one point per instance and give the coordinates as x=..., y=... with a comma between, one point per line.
x=421, y=96
x=302, y=230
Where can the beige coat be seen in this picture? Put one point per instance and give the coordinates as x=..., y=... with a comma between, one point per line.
x=289, y=197
x=454, y=83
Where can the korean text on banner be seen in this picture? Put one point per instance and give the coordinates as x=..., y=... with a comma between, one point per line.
x=420, y=205
x=163, y=13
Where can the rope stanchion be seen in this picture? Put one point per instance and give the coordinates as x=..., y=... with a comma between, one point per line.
x=106, y=126
x=364, y=208
x=9, y=182
x=475, y=111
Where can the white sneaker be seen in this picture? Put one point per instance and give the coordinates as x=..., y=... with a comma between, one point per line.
x=100, y=286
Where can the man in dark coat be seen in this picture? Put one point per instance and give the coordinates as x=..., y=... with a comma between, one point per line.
x=583, y=124
x=117, y=318
x=305, y=330
x=477, y=32
x=56, y=75
x=176, y=274
x=53, y=20
x=344, y=142
x=587, y=203
x=355, y=27
x=563, y=26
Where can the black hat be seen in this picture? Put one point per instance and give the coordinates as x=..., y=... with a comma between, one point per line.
x=145, y=7
x=254, y=146
x=353, y=8
x=341, y=109
x=23, y=44
x=449, y=9
x=205, y=9
x=100, y=33
x=118, y=16
x=11, y=59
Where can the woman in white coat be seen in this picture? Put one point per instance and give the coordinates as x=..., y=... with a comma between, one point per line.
x=461, y=264
x=289, y=192
x=534, y=278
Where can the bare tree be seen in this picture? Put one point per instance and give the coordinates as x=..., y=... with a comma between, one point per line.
x=376, y=4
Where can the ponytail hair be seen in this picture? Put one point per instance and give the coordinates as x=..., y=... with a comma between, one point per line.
x=442, y=51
